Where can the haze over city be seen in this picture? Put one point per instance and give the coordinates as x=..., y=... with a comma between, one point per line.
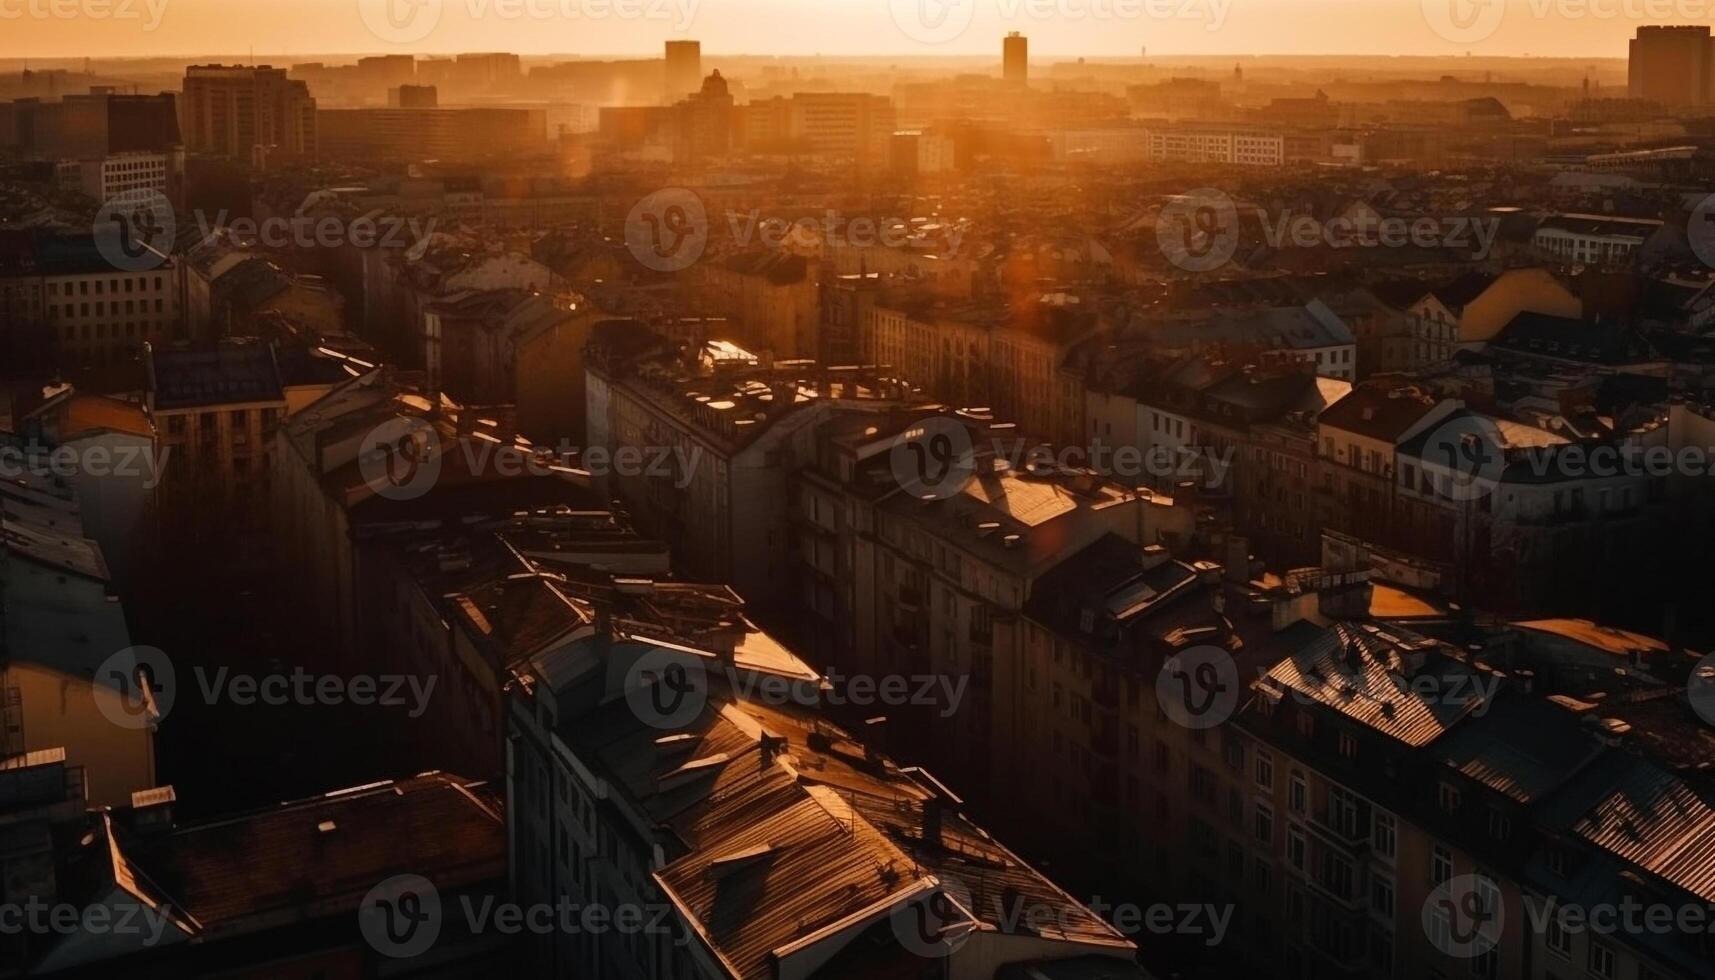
x=929, y=489
x=50, y=29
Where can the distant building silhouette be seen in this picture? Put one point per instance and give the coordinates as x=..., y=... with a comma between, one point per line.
x=684, y=69
x=1015, y=58
x=1672, y=65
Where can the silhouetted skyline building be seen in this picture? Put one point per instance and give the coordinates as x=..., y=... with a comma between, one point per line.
x=684, y=72
x=247, y=113
x=1015, y=58
x=1671, y=65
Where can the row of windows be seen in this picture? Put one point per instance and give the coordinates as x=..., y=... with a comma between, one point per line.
x=132, y=307
x=113, y=285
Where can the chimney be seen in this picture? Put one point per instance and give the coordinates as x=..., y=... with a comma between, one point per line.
x=1154, y=556
x=152, y=810
x=936, y=805
x=771, y=747
x=875, y=738
x=931, y=830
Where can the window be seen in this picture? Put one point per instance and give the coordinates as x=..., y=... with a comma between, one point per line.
x=1299, y=795
x=1601, y=960
x=1449, y=796
x=1557, y=861
x=1343, y=812
x=1381, y=895
x=1264, y=770
x=1440, y=865
x=1262, y=824
x=1295, y=847
x=1382, y=835
x=1499, y=826
x=1348, y=746
x=1559, y=939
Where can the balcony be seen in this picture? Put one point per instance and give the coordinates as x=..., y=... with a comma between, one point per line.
x=1344, y=828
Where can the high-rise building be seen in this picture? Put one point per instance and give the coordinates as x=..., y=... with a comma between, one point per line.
x=1672, y=65
x=684, y=75
x=247, y=113
x=1015, y=58
x=854, y=125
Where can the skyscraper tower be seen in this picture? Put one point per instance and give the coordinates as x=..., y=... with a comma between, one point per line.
x=1015, y=58
x=1672, y=65
x=684, y=69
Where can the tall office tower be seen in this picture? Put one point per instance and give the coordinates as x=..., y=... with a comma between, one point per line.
x=247, y=114
x=1015, y=58
x=684, y=69
x=1672, y=65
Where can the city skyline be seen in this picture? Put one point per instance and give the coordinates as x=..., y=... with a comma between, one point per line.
x=1058, y=29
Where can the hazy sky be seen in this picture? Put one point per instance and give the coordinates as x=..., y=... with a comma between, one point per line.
x=1107, y=28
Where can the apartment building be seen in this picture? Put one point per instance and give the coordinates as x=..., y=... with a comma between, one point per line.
x=1358, y=439
x=248, y=114
x=717, y=432
x=772, y=809
x=1519, y=508
x=1600, y=240
x=1214, y=143
x=181, y=906
x=1470, y=310
x=116, y=490
x=92, y=313
x=67, y=682
x=1417, y=807
x=889, y=583
x=215, y=410
x=1240, y=431
x=1310, y=333
x=441, y=133
x=770, y=296
x=852, y=126
x=122, y=175
x=1010, y=357
x=376, y=459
